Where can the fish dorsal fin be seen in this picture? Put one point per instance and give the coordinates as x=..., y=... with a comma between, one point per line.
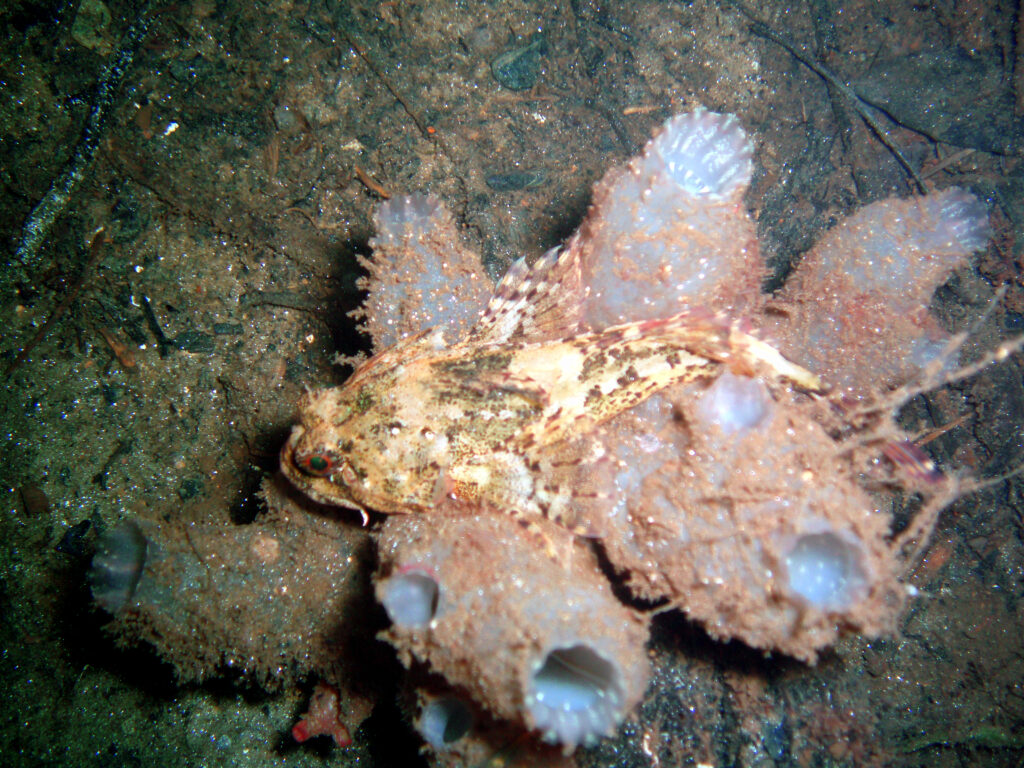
x=537, y=303
x=574, y=484
x=402, y=352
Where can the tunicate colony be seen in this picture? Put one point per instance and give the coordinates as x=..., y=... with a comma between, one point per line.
x=746, y=505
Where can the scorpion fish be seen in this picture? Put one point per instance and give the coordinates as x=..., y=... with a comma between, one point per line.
x=499, y=419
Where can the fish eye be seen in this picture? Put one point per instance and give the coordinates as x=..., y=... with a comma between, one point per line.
x=317, y=463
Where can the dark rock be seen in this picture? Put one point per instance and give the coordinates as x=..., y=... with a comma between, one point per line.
x=196, y=342
x=73, y=541
x=517, y=69
x=190, y=487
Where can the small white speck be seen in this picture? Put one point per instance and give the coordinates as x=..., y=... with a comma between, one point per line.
x=171, y=128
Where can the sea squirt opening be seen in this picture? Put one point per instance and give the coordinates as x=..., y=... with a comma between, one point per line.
x=827, y=571
x=444, y=721
x=117, y=565
x=575, y=695
x=410, y=599
x=705, y=153
x=737, y=404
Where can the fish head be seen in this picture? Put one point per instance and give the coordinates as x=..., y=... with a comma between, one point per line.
x=324, y=457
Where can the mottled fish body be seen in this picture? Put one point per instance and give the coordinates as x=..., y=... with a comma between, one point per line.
x=485, y=422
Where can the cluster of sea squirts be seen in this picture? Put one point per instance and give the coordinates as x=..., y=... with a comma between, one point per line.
x=633, y=394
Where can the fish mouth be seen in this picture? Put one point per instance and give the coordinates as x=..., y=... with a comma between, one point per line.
x=289, y=469
x=288, y=450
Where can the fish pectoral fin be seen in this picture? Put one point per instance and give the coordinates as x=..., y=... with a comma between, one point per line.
x=574, y=485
